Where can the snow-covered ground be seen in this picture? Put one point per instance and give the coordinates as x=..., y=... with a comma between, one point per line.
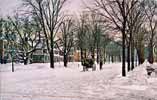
x=39, y=82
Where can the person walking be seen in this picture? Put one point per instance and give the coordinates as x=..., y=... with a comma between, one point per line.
x=101, y=63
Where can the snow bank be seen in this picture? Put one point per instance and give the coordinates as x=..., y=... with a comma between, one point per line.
x=39, y=82
x=136, y=79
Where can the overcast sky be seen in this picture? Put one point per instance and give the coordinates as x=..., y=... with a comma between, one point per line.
x=8, y=6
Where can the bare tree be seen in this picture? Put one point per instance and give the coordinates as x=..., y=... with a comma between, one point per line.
x=97, y=32
x=150, y=7
x=48, y=13
x=116, y=13
x=99, y=36
x=10, y=36
x=81, y=36
x=28, y=34
x=135, y=22
x=67, y=38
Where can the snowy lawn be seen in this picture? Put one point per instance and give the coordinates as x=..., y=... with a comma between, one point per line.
x=39, y=82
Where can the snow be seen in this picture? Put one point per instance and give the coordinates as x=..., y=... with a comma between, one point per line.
x=39, y=82
x=134, y=87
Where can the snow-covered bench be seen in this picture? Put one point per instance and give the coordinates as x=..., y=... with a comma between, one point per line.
x=150, y=69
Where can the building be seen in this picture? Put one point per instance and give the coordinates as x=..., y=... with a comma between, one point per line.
x=41, y=54
x=77, y=56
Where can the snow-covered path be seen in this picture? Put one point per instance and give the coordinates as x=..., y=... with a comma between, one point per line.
x=39, y=82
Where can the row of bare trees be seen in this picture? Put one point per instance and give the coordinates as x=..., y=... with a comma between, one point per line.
x=91, y=37
x=87, y=31
x=48, y=14
x=133, y=21
x=43, y=18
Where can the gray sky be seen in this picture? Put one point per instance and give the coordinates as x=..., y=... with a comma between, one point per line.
x=8, y=6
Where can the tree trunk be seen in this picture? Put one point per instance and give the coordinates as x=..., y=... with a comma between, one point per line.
x=123, y=53
x=128, y=56
x=31, y=58
x=150, y=57
x=132, y=55
x=112, y=59
x=1, y=52
x=136, y=59
x=12, y=61
x=85, y=53
x=97, y=55
x=92, y=53
x=26, y=61
x=104, y=56
x=12, y=65
x=140, y=53
x=81, y=55
x=119, y=57
x=109, y=58
x=65, y=60
x=52, y=59
x=132, y=49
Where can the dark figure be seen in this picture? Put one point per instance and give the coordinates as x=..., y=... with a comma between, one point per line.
x=87, y=63
x=149, y=70
x=1, y=61
x=101, y=63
